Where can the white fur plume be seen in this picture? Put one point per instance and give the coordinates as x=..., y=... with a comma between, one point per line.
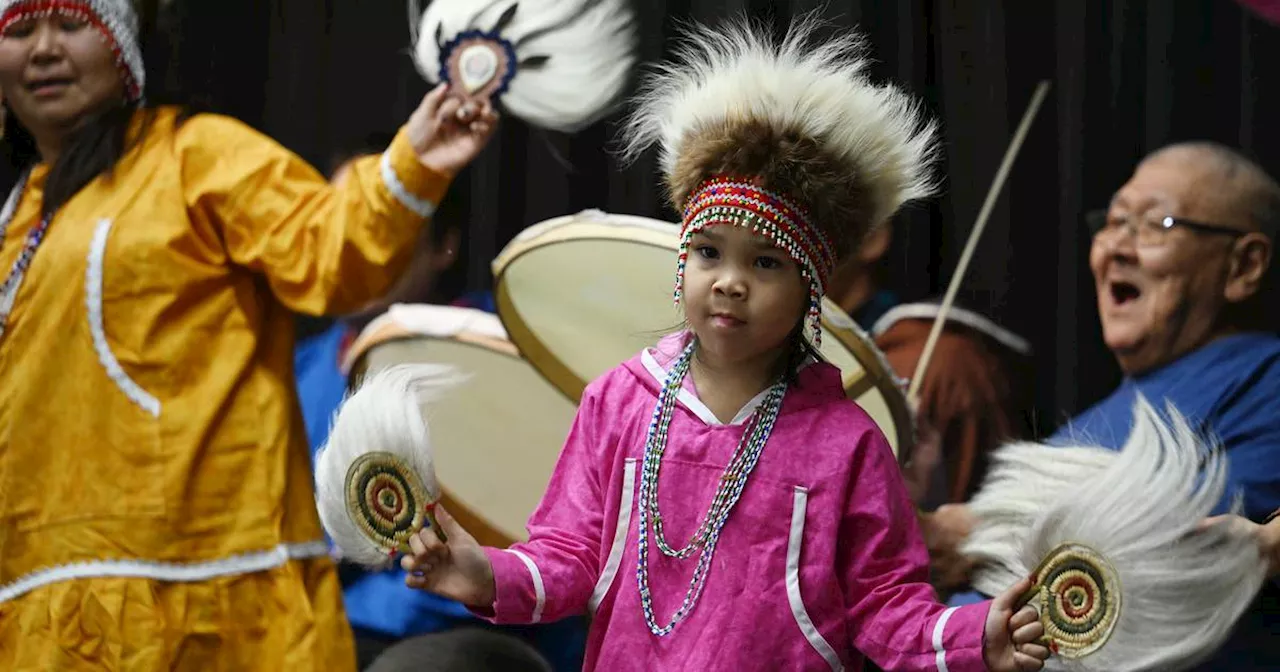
x=384, y=415
x=576, y=56
x=736, y=72
x=1183, y=588
x=1023, y=480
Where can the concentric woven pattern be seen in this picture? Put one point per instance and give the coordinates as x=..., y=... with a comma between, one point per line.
x=386, y=499
x=1078, y=594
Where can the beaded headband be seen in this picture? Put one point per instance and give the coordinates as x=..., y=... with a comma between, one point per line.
x=116, y=20
x=732, y=201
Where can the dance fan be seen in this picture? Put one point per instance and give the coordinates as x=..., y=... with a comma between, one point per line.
x=1126, y=576
x=375, y=479
x=557, y=64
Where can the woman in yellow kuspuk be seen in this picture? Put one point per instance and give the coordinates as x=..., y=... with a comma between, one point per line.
x=156, y=499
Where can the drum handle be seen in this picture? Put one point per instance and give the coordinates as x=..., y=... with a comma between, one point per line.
x=913, y=393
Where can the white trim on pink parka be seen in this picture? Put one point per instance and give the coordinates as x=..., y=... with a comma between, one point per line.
x=539, y=591
x=938, y=630
x=795, y=541
x=619, y=545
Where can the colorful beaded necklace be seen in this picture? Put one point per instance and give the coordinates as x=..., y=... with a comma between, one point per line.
x=754, y=436
x=9, y=290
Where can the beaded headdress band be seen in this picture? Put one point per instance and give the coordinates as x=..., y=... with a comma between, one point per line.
x=116, y=20
x=737, y=202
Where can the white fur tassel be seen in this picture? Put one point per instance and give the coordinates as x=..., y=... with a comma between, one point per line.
x=734, y=73
x=384, y=415
x=1182, y=589
x=591, y=49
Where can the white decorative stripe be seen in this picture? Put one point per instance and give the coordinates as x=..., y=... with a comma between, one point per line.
x=166, y=571
x=975, y=321
x=539, y=592
x=619, y=536
x=421, y=206
x=794, y=543
x=938, y=629
x=93, y=299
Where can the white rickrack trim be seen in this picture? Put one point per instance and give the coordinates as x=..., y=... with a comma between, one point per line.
x=422, y=206
x=93, y=301
x=246, y=563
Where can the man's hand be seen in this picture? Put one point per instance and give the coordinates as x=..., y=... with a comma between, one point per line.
x=1267, y=536
x=944, y=532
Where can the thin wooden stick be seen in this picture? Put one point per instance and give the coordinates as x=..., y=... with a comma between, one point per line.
x=913, y=393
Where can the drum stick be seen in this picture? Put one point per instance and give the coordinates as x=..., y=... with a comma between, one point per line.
x=913, y=393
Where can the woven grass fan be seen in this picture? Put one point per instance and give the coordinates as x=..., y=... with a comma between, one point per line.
x=1126, y=578
x=375, y=476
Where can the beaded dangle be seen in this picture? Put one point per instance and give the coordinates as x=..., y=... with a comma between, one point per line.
x=754, y=436
x=12, y=281
x=728, y=201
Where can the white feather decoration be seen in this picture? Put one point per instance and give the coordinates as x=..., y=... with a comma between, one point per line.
x=375, y=477
x=1023, y=480
x=1181, y=589
x=736, y=73
x=572, y=58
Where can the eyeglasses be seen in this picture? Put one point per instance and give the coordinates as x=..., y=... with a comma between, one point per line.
x=1150, y=230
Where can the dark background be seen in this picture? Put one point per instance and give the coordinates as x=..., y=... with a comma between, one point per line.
x=1127, y=77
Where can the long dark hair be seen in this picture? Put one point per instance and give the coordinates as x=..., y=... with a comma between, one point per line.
x=103, y=138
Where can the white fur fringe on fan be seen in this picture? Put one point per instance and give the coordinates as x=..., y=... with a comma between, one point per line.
x=557, y=64
x=1140, y=585
x=375, y=477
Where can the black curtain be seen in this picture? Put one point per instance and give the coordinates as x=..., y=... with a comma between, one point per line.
x=1127, y=77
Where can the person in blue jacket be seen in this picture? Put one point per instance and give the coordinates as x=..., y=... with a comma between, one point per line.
x=1182, y=262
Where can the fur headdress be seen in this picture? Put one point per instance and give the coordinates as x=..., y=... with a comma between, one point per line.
x=1127, y=579
x=557, y=64
x=788, y=137
x=116, y=20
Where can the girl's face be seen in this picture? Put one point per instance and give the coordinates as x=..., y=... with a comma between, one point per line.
x=742, y=296
x=55, y=70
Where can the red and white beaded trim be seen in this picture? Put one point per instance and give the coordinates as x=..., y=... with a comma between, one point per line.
x=724, y=201
x=116, y=20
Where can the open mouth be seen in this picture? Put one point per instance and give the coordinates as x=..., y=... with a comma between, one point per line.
x=1124, y=292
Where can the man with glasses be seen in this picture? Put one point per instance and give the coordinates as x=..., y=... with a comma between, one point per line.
x=1181, y=259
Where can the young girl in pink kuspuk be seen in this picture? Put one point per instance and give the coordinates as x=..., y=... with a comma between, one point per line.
x=720, y=504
